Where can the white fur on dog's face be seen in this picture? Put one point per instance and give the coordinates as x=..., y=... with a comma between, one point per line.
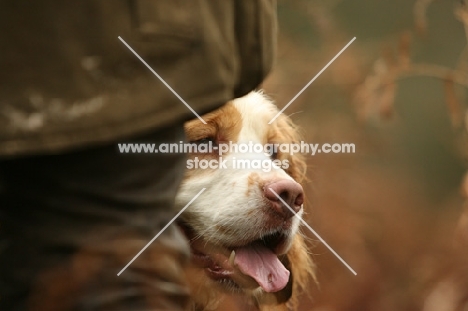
x=232, y=210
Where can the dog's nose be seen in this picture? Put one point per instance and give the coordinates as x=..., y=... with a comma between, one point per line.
x=290, y=192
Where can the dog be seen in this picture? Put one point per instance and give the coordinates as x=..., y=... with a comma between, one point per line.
x=243, y=239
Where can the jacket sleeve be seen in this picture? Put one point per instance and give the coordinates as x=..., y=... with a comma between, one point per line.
x=68, y=81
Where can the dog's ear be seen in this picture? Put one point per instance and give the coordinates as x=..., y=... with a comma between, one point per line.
x=302, y=269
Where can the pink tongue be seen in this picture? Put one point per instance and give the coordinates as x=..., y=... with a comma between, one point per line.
x=260, y=263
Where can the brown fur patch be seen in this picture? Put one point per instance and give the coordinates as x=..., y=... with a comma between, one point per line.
x=252, y=179
x=225, y=125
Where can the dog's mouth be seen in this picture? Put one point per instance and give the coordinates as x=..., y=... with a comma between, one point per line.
x=248, y=266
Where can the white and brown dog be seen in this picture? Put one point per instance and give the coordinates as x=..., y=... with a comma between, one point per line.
x=243, y=238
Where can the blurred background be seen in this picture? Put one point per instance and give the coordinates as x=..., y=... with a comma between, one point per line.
x=395, y=209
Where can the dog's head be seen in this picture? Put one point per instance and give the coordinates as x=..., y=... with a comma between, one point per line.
x=243, y=237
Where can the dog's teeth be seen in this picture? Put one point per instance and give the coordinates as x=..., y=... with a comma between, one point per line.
x=231, y=258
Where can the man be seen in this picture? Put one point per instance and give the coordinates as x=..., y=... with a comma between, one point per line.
x=73, y=211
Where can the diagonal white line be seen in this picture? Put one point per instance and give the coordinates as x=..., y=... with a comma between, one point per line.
x=315, y=233
x=313, y=79
x=161, y=79
x=162, y=230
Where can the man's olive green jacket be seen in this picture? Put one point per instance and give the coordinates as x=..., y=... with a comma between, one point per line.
x=67, y=81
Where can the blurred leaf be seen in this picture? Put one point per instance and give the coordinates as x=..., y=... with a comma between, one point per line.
x=452, y=102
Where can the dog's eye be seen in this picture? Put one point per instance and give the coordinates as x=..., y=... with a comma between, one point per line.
x=204, y=141
x=274, y=155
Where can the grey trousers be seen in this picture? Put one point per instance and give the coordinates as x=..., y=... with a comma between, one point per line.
x=70, y=222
